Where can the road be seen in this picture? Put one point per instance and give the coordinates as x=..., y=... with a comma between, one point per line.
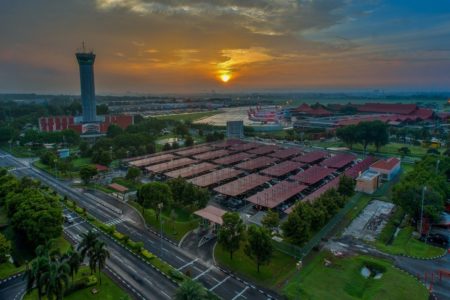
x=225, y=285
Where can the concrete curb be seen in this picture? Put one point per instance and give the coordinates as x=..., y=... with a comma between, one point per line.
x=183, y=238
x=12, y=277
x=423, y=258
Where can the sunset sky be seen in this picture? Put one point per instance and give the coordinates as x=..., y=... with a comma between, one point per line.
x=183, y=46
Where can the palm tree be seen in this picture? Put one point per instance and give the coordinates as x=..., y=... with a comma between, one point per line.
x=39, y=266
x=56, y=279
x=97, y=257
x=73, y=259
x=87, y=243
x=190, y=290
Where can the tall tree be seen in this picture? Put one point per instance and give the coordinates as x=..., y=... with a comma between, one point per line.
x=133, y=173
x=259, y=245
x=35, y=272
x=5, y=248
x=73, y=259
x=231, y=232
x=97, y=257
x=56, y=279
x=379, y=134
x=348, y=135
x=271, y=220
x=154, y=193
x=87, y=173
x=87, y=243
x=296, y=230
x=346, y=186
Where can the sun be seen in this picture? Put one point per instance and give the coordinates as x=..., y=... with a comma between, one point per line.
x=225, y=77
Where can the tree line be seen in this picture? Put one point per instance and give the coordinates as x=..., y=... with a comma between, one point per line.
x=307, y=217
x=176, y=192
x=365, y=133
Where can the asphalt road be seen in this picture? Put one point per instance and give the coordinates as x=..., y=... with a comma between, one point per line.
x=225, y=285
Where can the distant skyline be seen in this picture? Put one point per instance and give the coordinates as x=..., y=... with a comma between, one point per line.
x=227, y=46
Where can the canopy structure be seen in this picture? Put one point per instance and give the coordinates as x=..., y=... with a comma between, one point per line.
x=286, y=153
x=228, y=160
x=193, y=151
x=253, y=164
x=170, y=165
x=212, y=214
x=244, y=146
x=151, y=160
x=339, y=160
x=265, y=149
x=282, y=168
x=212, y=154
x=312, y=175
x=215, y=177
x=277, y=194
x=242, y=185
x=311, y=157
x=191, y=171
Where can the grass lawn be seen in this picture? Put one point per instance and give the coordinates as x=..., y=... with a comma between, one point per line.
x=184, y=222
x=406, y=244
x=271, y=276
x=8, y=269
x=342, y=280
x=190, y=117
x=81, y=162
x=107, y=290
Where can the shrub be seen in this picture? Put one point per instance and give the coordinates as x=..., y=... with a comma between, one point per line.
x=125, y=238
x=90, y=280
x=78, y=210
x=176, y=274
x=90, y=218
x=70, y=203
x=118, y=235
x=147, y=254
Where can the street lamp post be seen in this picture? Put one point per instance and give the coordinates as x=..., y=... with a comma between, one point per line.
x=424, y=189
x=160, y=207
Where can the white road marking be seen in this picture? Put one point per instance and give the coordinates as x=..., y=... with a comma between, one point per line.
x=240, y=294
x=203, y=273
x=188, y=264
x=179, y=258
x=220, y=283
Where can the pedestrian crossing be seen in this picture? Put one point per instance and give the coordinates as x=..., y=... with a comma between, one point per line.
x=114, y=221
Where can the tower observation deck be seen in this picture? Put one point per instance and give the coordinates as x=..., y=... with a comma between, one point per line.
x=86, y=63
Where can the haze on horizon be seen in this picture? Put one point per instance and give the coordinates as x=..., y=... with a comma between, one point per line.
x=187, y=46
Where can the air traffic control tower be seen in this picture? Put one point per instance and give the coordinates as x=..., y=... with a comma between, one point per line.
x=86, y=63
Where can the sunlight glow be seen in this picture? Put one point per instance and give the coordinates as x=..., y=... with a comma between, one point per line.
x=225, y=77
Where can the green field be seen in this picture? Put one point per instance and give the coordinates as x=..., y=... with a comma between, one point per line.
x=342, y=280
x=107, y=290
x=189, y=117
x=176, y=229
x=273, y=275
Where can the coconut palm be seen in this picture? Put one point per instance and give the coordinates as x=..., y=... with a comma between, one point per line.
x=56, y=279
x=39, y=266
x=73, y=260
x=97, y=257
x=87, y=243
x=190, y=290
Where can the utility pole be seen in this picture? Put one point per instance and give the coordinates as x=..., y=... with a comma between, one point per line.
x=424, y=189
x=160, y=206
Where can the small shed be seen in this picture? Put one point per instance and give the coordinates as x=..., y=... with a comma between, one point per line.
x=388, y=168
x=367, y=182
x=211, y=216
x=120, y=189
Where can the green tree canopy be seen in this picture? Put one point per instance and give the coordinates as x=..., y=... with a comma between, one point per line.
x=231, y=232
x=259, y=245
x=153, y=193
